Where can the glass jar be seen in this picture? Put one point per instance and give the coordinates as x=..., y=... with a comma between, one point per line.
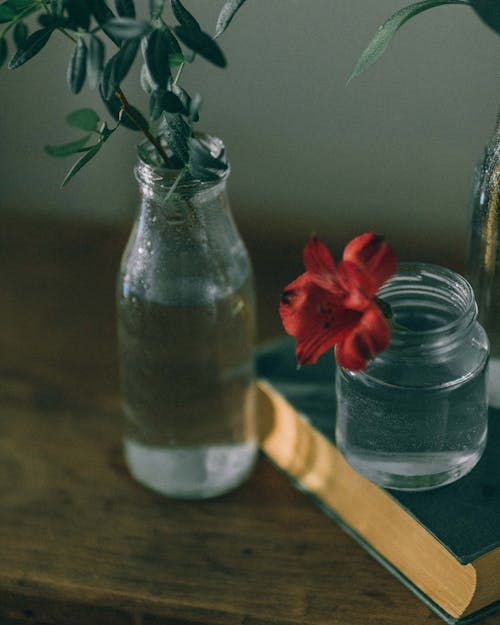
x=186, y=334
x=483, y=264
x=417, y=417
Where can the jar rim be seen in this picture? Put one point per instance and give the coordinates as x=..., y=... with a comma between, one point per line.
x=440, y=303
x=415, y=277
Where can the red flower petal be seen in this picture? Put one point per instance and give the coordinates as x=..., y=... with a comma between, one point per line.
x=293, y=301
x=315, y=317
x=321, y=267
x=373, y=256
x=356, y=284
x=362, y=343
x=317, y=258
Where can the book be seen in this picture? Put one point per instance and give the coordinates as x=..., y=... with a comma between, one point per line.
x=444, y=544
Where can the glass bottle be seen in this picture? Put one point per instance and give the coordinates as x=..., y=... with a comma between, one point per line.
x=416, y=418
x=483, y=263
x=186, y=333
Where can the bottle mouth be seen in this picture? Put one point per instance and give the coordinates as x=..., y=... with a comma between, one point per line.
x=150, y=172
x=432, y=306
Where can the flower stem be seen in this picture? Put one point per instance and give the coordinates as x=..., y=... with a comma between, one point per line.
x=135, y=119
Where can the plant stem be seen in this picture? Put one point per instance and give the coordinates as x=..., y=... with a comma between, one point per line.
x=179, y=72
x=172, y=189
x=129, y=111
x=157, y=144
x=126, y=108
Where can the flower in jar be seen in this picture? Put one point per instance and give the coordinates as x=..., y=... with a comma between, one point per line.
x=336, y=305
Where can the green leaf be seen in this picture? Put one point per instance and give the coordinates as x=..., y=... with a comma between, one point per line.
x=118, y=67
x=101, y=11
x=56, y=22
x=183, y=16
x=156, y=8
x=32, y=46
x=226, y=15
x=83, y=119
x=155, y=105
x=19, y=5
x=6, y=13
x=158, y=50
x=80, y=163
x=3, y=51
x=175, y=49
x=202, y=164
x=194, y=107
x=177, y=133
x=107, y=84
x=162, y=100
x=127, y=27
x=488, y=11
x=386, y=32
x=79, y=12
x=77, y=68
x=125, y=8
x=124, y=59
x=46, y=20
x=67, y=149
x=201, y=43
x=20, y=34
x=148, y=85
x=27, y=10
x=103, y=14
x=190, y=106
x=95, y=61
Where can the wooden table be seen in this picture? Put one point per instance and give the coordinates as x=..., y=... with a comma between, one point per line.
x=80, y=541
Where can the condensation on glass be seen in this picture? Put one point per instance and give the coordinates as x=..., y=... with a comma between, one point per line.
x=186, y=334
x=417, y=417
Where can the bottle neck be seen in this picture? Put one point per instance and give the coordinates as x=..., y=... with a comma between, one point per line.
x=161, y=184
x=172, y=196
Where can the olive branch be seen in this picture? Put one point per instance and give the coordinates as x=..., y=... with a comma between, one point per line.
x=167, y=43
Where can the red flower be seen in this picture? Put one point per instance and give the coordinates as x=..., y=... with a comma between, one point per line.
x=335, y=305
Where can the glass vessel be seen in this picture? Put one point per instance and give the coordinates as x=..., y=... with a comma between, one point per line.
x=417, y=417
x=185, y=304
x=483, y=264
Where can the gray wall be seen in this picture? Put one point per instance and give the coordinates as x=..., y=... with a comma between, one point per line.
x=393, y=151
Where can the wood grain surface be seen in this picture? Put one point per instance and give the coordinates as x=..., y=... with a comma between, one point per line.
x=80, y=541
